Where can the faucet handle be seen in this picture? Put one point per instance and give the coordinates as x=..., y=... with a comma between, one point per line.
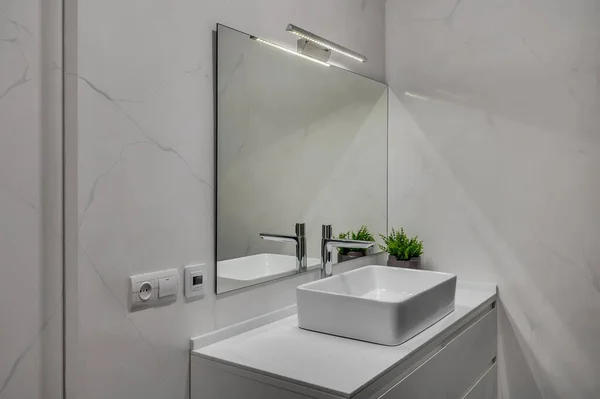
x=300, y=229
x=326, y=231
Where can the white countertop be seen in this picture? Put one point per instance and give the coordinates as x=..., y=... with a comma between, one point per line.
x=333, y=364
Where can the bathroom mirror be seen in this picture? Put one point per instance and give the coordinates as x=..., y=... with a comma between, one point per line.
x=297, y=141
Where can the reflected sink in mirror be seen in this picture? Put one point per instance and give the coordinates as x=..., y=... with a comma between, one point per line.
x=255, y=269
x=379, y=304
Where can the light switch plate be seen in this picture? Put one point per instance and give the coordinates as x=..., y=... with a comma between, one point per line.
x=145, y=289
x=194, y=279
x=167, y=286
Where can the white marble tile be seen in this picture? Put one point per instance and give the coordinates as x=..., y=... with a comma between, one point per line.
x=494, y=160
x=30, y=200
x=145, y=175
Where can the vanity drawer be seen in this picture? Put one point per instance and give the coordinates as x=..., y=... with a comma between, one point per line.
x=486, y=387
x=449, y=373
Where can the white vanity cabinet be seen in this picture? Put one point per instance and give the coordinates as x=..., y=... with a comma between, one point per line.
x=454, y=358
x=456, y=368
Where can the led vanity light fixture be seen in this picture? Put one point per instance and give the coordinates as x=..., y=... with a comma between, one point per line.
x=322, y=43
x=290, y=51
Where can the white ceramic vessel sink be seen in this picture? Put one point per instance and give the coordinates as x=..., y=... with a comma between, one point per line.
x=379, y=304
x=249, y=270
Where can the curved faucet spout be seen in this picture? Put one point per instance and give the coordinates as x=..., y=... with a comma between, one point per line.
x=328, y=243
x=299, y=240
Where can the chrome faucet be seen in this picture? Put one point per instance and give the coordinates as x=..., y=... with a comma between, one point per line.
x=328, y=243
x=299, y=240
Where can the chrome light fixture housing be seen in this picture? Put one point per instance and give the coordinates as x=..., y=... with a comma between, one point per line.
x=318, y=47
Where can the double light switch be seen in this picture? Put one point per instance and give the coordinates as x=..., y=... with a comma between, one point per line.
x=153, y=289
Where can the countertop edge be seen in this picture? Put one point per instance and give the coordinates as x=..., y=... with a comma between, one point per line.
x=276, y=379
x=213, y=337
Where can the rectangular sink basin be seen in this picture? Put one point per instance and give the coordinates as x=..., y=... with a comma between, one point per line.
x=379, y=304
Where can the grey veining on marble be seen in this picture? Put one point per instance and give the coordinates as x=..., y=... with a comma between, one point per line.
x=34, y=340
x=145, y=140
x=500, y=129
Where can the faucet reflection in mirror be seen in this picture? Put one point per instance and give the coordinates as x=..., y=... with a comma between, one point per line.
x=299, y=240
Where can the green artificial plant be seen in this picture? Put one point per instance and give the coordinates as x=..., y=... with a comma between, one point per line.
x=362, y=234
x=399, y=245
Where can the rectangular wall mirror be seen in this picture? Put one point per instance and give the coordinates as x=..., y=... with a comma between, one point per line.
x=297, y=142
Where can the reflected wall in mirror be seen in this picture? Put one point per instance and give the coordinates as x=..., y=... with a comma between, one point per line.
x=297, y=141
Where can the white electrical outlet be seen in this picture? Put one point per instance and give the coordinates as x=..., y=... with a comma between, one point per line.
x=153, y=290
x=146, y=289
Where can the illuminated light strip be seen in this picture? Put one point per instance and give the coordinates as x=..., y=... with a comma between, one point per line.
x=325, y=43
x=417, y=96
x=310, y=39
x=287, y=50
